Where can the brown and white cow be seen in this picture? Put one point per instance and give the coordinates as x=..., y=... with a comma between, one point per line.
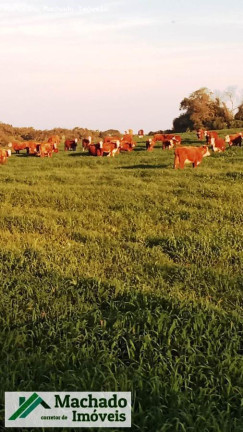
x=104, y=149
x=218, y=144
x=234, y=140
x=171, y=141
x=4, y=155
x=31, y=147
x=150, y=144
x=126, y=146
x=70, y=144
x=209, y=135
x=190, y=155
x=86, y=142
x=17, y=146
x=46, y=149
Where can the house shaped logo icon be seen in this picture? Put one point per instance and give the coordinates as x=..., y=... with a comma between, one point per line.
x=27, y=406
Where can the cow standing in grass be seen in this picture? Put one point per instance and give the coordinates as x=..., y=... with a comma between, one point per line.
x=234, y=140
x=4, y=155
x=86, y=142
x=71, y=144
x=46, y=149
x=190, y=155
x=104, y=149
x=150, y=144
x=17, y=146
x=209, y=135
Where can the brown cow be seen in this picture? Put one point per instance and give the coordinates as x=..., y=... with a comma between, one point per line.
x=128, y=138
x=31, y=147
x=201, y=134
x=192, y=155
x=171, y=141
x=234, y=140
x=168, y=140
x=150, y=144
x=218, y=144
x=209, y=135
x=71, y=144
x=126, y=146
x=17, y=146
x=46, y=149
x=104, y=149
x=4, y=155
x=86, y=142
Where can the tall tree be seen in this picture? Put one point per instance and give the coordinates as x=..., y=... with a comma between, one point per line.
x=202, y=110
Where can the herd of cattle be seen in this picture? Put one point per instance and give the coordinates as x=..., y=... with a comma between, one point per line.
x=112, y=145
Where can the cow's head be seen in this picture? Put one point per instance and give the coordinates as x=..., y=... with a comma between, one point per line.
x=118, y=143
x=206, y=151
x=101, y=144
x=76, y=140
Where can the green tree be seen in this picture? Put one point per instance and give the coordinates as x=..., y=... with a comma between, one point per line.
x=202, y=110
x=239, y=114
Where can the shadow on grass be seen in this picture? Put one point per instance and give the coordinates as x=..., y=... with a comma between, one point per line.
x=78, y=154
x=23, y=155
x=144, y=166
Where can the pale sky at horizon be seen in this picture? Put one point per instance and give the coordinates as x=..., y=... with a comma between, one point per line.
x=114, y=64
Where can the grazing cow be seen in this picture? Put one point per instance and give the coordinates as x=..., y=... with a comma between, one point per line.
x=209, y=135
x=171, y=141
x=150, y=144
x=31, y=147
x=46, y=149
x=168, y=140
x=201, y=134
x=234, y=140
x=86, y=142
x=71, y=144
x=192, y=155
x=126, y=146
x=218, y=144
x=104, y=149
x=17, y=146
x=4, y=154
x=167, y=144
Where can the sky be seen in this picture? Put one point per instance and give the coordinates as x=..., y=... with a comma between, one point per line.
x=114, y=64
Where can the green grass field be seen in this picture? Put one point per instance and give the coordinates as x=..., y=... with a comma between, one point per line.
x=123, y=274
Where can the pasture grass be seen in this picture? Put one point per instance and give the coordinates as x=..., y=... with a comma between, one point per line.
x=122, y=274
